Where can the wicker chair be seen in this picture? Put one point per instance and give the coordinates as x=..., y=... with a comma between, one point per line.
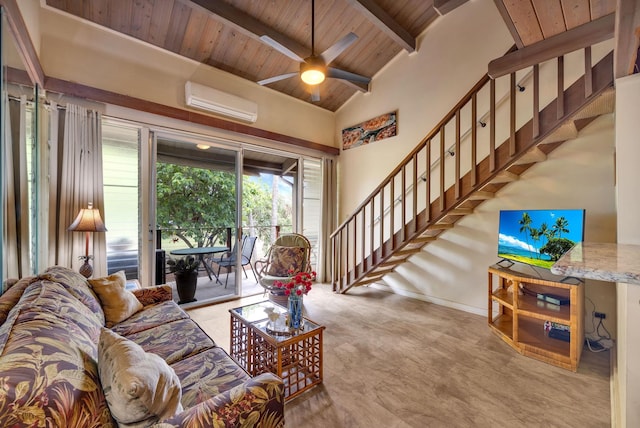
x=290, y=253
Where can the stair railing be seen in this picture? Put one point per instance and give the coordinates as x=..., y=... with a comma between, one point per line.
x=447, y=165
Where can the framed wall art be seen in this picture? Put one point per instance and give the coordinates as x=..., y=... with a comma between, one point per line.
x=376, y=129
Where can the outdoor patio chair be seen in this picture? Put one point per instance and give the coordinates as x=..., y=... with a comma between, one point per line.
x=228, y=261
x=290, y=253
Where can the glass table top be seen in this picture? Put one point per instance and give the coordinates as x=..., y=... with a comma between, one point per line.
x=257, y=314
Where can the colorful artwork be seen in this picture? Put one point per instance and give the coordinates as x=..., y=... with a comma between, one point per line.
x=375, y=129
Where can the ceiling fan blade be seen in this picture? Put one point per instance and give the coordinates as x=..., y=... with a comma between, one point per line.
x=281, y=48
x=338, y=47
x=277, y=78
x=315, y=93
x=347, y=75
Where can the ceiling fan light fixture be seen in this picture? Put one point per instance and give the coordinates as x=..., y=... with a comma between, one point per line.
x=312, y=71
x=312, y=76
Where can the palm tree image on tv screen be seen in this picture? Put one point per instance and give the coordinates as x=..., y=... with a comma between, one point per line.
x=539, y=237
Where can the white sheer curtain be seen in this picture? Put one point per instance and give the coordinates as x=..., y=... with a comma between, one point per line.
x=76, y=159
x=16, y=260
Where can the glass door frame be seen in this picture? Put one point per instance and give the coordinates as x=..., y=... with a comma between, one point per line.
x=148, y=194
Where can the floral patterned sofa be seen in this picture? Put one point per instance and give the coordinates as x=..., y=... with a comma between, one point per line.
x=60, y=366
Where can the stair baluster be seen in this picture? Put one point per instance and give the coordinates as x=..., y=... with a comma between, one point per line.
x=379, y=253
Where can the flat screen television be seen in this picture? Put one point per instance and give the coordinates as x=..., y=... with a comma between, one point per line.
x=538, y=237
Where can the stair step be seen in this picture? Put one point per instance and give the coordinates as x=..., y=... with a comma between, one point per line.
x=568, y=131
x=393, y=262
x=440, y=226
x=407, y=252
x=481, y=195
x=369, y=280
x=505, y=177
x=604, y=104
x=532, y=156
x=424, y=239
x=460, y=211
x=381, y=272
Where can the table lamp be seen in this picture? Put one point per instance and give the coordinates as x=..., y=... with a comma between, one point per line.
x=88, y=220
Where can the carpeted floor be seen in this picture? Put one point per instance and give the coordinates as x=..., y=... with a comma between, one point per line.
x=391, y=361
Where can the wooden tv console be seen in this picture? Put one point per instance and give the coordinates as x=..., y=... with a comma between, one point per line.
x=519, y=317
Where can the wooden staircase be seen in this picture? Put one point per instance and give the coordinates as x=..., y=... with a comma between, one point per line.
x=396, y=222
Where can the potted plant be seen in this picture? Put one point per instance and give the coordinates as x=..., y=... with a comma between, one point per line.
x=186, y=273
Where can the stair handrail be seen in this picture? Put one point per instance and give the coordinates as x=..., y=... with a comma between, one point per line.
x=451, y=114
x=347, y=258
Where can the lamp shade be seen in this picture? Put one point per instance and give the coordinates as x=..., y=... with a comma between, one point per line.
x=88, y=220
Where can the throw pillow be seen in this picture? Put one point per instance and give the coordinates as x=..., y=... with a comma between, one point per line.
x=284, y=259
x=118, y=304
x=140, y=387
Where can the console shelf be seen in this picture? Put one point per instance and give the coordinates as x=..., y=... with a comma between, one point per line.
x=518, y=317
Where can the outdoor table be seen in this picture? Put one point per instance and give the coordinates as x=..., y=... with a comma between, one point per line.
x=201, y=252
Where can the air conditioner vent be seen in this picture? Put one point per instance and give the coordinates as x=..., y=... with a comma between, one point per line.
x=218, y=102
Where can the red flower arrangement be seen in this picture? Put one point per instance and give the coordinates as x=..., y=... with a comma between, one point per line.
x=299, y=283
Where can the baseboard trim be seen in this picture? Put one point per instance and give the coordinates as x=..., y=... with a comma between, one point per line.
x=430, y=299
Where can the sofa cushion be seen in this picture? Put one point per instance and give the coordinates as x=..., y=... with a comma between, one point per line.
x=173, y=341
x=152, y=316
x=283, y=261
x=207, y=374
x=48, y=368
x=118, y=304
x=54, y=298
x=140, y=387
x=77, y=285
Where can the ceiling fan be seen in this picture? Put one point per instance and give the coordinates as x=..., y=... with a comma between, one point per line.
x=315, y=68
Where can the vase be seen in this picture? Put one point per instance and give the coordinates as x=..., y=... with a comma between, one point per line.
x=295, y=311
x=186, y=283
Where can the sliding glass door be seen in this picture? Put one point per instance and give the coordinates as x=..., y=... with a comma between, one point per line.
x=197, y=190
x=172, y=197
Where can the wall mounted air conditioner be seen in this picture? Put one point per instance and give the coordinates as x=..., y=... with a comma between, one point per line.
x=218, y=102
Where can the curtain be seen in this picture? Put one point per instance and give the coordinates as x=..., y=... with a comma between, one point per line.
x=76, y=169
x=329, y=192
x=16, y=259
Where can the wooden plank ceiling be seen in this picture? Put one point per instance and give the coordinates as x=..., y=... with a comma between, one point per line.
x=226, y=34
x=531, y=21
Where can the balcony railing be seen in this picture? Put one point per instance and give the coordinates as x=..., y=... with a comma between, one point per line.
x=127, y=259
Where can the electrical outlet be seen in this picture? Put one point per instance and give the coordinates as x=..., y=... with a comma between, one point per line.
x=599, y=315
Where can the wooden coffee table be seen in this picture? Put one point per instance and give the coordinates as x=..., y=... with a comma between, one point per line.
x=259, y=346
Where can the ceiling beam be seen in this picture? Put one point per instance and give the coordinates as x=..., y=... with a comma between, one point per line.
x=255, y=29
x=381, y=19
x=249, y=26
x=627, y=35
x=445, y=6
x=580, y=37
x=23, y=42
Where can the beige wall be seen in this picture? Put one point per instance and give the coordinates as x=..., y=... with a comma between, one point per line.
x=628, y=176
x=423, y=87
x=580, y=174
x=94, y=56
